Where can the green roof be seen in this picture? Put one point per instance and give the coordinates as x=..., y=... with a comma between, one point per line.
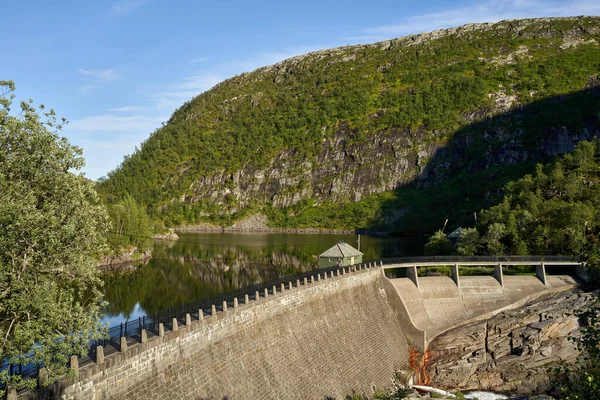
x=341, y=250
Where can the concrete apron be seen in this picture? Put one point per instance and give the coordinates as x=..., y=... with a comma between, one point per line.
x=439, y=304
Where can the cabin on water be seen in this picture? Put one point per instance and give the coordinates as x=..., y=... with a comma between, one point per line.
x=342, y=254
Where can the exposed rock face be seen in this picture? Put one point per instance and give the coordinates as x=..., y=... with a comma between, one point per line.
x=345, y=171
x=342, y=171
x=512, y=351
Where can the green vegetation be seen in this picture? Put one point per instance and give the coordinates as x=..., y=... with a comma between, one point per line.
x=437, y=91
x=131, y=226
x=53, y=227
x=582, y=381
x=438, y=244
x=555, y=210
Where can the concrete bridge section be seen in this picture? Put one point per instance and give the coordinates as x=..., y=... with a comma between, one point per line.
x=429, y=306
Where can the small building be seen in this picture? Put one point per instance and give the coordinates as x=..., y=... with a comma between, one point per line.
x=342, y=254
x=455, y=235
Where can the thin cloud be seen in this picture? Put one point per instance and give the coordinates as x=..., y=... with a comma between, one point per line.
x=126, y=109
x=87, y=88
x=104, y=75
x=123, y=7
x=202, y=82
x=200, y=60
x=173, y=96
x=489, y=11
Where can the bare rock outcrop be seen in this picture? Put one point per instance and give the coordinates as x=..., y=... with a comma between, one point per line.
x=512, y=351
x=170, y=235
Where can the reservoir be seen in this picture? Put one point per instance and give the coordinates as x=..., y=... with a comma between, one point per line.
x=204, y=264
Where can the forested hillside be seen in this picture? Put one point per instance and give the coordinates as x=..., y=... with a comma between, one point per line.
x=555, y=210
x=351, y=137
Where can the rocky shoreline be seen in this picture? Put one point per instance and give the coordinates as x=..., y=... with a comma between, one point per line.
x=130, y=256
x=257, y=223
x=217, y=228
x=170, y=235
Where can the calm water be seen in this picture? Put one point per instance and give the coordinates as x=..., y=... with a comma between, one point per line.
x=204, y=264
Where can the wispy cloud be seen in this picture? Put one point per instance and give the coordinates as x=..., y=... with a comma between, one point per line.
x=122, y=7
x=170, y=97
x=200, y=60
x=200, y=82
x=126, y=109
x=265, y=58
x=87, y=88
x=93, y=79
x=487, y=11
x=103, y=75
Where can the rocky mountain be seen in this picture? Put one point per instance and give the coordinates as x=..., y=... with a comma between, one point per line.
x=369, y=136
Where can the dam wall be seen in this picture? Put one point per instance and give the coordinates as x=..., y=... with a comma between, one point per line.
x=328, y=338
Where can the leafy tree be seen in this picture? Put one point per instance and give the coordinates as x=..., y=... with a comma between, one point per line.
x=468, y=242
x=131, y=225
x=553, y=211
x=492, y=239
x=438, y=245
x=53, y=224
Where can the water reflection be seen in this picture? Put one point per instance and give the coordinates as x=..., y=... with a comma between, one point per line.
x=204, y=264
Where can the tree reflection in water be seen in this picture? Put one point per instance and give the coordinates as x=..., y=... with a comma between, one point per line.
x=200, y=265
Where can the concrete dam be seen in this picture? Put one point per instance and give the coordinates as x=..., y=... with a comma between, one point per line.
x=334, y=334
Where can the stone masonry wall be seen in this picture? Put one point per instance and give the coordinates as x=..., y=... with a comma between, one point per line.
x=332, y=337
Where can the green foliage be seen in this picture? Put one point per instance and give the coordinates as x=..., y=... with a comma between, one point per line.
x=438, y=88
x=491, y=239
x=460, y=395
x=553, y=211
x=53, y=225
x=131, y=225
x=468, y=242
x=438, y=244
x=582, y=382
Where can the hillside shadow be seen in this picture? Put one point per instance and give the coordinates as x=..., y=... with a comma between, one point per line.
x=468, y=173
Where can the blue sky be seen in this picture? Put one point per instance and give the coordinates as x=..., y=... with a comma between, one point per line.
x=117, y=69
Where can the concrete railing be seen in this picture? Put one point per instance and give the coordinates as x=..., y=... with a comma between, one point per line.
x=465, y=260
x=411, y=264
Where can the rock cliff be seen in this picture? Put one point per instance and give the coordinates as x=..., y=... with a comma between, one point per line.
x=513, y=351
